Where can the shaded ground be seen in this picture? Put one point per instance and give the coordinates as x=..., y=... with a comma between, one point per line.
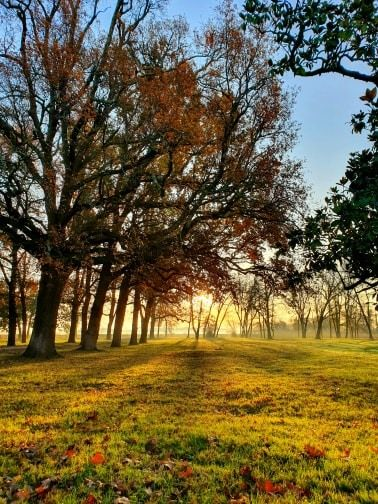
x=227, y=421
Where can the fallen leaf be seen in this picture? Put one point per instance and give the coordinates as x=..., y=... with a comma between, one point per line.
x=186, y=472
x=69, y=453
x=92, y=416
x=22, y=495
x=269, y=487
x=313, y=452
x=97, y=459
x=374, y=449
x=45, y=487
x=91, y=499
x=345, y=454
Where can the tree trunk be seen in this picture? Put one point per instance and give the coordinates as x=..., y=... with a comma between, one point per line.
x=319, y=328
x=121, y=310
x=91, y=336
x=51, y=285
x=136, y=310
x=111, y=314
x=153, y=321
x=75, y=308
x=12, y=303
x=146, y=319
x=24, y=314
x=86, y=302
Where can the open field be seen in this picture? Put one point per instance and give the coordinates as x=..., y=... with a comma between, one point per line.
x=219, y=422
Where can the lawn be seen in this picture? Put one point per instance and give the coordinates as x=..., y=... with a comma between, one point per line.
x=226, y=421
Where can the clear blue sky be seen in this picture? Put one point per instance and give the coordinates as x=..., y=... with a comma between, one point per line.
x=323, y=108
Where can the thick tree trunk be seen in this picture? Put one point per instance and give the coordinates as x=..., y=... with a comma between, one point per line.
x=111, y=314
x=146, y=319
x=136, y=310
x=51, y=285
x=75, y=308
x=91, y=336
x=319, y=328
x=86, y=302
x=121, y=310
x=12, y=303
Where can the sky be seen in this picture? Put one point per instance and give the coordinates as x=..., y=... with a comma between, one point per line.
x=323, y=109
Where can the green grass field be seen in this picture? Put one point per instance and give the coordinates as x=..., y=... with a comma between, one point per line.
x=230, y=421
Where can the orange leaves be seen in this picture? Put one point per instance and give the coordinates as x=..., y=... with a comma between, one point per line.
x=97, y=459
x=209, y=38
x=22, y=495
x=345, y=454
x=44, y=487
x=313, y=452
x=267, y=486
x=70, y=452
x=374, y=449
x=187, y=472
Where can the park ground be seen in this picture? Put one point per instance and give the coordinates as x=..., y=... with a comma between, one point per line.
x=174, y=421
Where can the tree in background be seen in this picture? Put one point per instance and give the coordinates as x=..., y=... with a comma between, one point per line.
x=318, y=37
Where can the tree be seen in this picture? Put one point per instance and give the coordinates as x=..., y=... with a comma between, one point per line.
x=56, y=136
x=122, y=149
x=319, y=37
x=298, y=297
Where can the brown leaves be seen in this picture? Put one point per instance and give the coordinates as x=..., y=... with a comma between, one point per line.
x=91, y=499
x=97, y=459
x=345, y=454
x=369, y=95
x=186, y=472
x=313, y=452
x=45, y=487
x=23, y=494
x=266, y=486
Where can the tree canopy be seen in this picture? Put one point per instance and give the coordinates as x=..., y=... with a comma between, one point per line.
x=318, y=37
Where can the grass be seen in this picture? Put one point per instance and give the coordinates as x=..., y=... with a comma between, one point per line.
x=217, y=422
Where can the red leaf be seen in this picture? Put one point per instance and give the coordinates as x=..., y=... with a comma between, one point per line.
x=97, y=459
x=45, y=486
x=91, y=499
x=313, y=452
x=269, y=487
x=41, y=491
x=186, y=473
x=70, y=453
